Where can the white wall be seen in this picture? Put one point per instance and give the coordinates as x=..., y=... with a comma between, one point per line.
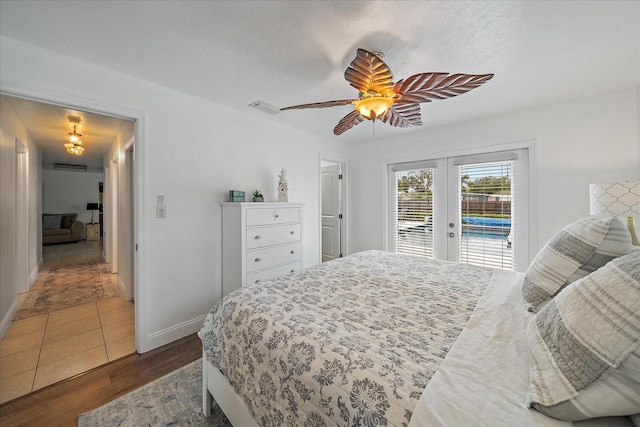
x=69, y=192
x=191, y=151
x=11, y=128
x=576, y=143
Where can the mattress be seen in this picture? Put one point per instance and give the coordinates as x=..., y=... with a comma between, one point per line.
x=353, y=341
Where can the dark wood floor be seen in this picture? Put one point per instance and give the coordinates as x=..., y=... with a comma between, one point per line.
x=60, y=404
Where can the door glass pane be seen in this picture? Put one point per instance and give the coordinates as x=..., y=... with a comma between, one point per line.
x=486, y=204
x=414, y=212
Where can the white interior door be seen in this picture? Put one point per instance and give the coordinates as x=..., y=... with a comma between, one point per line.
x=330, y=178
x=111, y=213
x=22, y=218
x=126, y=225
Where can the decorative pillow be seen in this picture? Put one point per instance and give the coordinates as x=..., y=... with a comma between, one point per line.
x=68, y=220
x=584, y=346
x=574, y=252
x=51, y=222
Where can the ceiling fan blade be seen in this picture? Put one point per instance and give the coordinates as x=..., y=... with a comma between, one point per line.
x=426, y=87
x=403, y=116
x=320, y=104
x=347, y=122
x=369, y=72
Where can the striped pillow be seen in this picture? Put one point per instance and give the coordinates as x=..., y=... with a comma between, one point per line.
x=584, y=346
x=574, y=252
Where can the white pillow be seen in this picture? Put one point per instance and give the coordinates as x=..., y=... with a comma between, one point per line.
x=584, y=346
x=574, y=252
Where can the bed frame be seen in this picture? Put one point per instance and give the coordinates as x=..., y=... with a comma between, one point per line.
x=216, y=386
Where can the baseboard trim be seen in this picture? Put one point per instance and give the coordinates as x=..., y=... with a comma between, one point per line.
x=6, y=321
x=122, y=289
x=34, y=274
x=173, y=333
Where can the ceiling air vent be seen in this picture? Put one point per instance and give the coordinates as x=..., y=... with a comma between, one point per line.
x=265, y=108
x=69, y=167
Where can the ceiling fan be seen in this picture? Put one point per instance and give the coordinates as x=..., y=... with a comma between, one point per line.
x=395, y=103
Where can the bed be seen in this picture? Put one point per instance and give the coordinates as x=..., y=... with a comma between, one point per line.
x=375, y=338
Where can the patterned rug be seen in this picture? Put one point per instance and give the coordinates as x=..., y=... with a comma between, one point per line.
x=173, y=400
x=62, y=287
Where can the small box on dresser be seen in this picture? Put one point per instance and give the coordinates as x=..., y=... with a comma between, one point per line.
x=260, y=241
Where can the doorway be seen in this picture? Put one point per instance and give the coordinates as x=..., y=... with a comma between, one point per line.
x=332, y=210
x=103, y=329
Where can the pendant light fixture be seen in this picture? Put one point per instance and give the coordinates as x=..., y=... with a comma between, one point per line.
x=74, y=146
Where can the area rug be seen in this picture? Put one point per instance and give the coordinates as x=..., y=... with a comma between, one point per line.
x=62, y=287
x=173, y=400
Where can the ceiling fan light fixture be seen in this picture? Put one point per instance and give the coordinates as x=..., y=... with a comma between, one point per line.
x=397, y=104
x=373, y=107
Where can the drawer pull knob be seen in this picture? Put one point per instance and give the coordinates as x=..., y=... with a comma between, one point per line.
x=277, y=216
x=258, y=237
x=258, y=259
x=293, y=252
x=293, y=232
x=292, y=270
x=257, y=281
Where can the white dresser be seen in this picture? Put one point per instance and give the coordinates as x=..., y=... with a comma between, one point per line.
x=260, y=241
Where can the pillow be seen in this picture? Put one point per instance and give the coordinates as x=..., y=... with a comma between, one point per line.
x=575, y=251
x=68, y=220
x=635, y=419
x=584, y=346
x=51, y=222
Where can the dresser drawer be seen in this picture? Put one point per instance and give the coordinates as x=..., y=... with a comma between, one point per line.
x=259, y=259
x=272, y=273
x=258, y=237
x=269, y=216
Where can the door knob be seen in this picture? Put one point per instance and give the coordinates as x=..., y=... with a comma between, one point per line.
x=451, y=235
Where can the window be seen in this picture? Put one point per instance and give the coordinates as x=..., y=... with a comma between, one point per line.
x=469, y=209
x=485, y=214
x=414, y=207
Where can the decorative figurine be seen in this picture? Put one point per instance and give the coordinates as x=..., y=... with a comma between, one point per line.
x=283, y=189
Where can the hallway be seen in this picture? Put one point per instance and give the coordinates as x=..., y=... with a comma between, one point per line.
x=47, y=348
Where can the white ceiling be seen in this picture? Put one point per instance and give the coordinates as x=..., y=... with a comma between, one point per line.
x=293, y=52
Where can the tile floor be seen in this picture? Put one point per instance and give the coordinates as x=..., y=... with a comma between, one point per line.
x=43, y=350
x=72, y=253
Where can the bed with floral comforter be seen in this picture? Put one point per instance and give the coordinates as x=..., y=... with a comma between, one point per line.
x=349, y=342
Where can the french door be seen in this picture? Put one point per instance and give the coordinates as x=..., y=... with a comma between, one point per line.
x=469, y=209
